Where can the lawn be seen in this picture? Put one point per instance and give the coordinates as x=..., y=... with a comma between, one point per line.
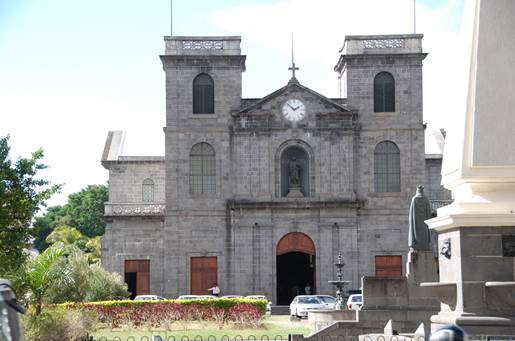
x=273, y=328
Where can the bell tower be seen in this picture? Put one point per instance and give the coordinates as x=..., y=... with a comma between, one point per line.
x=203, y=88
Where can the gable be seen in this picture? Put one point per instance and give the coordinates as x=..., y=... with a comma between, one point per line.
x=316, y=102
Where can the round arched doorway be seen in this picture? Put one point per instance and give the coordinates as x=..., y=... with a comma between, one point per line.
x=295, y=258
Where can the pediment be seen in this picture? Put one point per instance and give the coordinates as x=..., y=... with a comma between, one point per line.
x=315, y=103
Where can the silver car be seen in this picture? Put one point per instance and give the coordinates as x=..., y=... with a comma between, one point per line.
x=302, y=304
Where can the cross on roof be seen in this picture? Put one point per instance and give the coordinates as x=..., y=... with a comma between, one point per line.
x=292, y=68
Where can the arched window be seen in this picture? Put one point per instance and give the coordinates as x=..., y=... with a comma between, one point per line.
x=203, y=94
x=387, y=164
x=147, y=190
x=202, y=169
x=384, y=92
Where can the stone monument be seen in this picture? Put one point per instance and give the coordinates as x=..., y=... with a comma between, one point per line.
x=476, y=233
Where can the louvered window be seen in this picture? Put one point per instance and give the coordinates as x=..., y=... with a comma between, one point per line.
x=203, y=94
x=384, y=92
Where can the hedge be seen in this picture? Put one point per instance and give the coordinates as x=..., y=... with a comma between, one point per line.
x=165, y=312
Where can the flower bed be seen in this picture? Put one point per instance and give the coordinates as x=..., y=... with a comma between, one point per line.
x=162, y=314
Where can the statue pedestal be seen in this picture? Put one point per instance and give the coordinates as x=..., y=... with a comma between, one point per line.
x=421, y=267
x=477, y=277
x=295, y=192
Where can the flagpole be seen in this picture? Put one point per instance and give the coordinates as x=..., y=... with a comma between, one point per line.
x=414, y=18
x=171, y=18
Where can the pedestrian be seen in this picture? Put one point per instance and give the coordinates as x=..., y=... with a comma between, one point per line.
x=307, y=289
x=215, y=290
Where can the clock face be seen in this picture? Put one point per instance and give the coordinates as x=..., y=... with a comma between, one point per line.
x=294, y=110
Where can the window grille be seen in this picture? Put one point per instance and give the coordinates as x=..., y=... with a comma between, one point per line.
x=202, y=169
x=148, y=190
x=387, y=174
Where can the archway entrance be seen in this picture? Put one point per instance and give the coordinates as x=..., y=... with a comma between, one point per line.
x=295, y=266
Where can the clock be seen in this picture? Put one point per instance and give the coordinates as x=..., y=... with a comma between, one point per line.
x=294, y=110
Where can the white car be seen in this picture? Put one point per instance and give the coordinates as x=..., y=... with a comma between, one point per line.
x=328, y=300
x=188, y=297
x=148, y=297
x=262, y=297
x=355, y=302
x=302, y=304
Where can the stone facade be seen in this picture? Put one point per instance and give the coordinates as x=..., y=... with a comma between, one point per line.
x=244, y=220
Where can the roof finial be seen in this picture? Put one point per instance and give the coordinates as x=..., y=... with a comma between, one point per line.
x=292, y=68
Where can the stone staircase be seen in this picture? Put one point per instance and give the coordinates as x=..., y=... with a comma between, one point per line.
x=280, y=310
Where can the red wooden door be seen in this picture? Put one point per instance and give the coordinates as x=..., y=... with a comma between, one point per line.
x=388, y=266
x=204, y=273
x=140, y=267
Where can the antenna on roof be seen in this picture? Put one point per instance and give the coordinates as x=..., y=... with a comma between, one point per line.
x=292, y=68
x=171, y=17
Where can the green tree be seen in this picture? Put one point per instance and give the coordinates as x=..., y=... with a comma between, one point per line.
x=41, y=274
x=87, y=282
x=22, y=194
x=84, y=211
x=70, y=238
x=45, y=224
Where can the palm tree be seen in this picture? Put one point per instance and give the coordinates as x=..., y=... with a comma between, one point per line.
x=41, y=274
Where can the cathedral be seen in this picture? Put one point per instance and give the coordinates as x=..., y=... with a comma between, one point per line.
x=261, y=195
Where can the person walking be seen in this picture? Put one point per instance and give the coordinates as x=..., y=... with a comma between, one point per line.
x=215, y=290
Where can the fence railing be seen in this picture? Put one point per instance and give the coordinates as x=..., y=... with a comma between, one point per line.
x=162, y=336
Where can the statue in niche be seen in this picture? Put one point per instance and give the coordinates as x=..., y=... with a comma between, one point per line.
x=420, y=210
x=294, y=173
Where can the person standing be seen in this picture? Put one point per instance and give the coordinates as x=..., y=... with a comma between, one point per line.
x=307, y=289
x=215, y=290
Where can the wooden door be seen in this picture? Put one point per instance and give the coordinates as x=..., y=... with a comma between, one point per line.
x=140, y=267
x=204, y=273
x=388, y=266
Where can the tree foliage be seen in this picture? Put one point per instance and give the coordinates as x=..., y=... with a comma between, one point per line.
x=84, y=212
x=87, y=282
x=22, y=194
x=70, y=239
x=38, y=275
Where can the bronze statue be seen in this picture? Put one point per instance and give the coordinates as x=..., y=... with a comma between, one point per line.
x=294, y=173
x=420, y=210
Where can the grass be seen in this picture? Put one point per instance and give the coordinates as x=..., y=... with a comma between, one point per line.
x=273, y=328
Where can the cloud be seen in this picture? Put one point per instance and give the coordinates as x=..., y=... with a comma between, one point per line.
x=319, y=29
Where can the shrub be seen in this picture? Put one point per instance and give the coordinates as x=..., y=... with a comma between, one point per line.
x=86, y=282
x=163, y=313
x=59, y=324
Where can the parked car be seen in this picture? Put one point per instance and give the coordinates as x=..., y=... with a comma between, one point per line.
x=188, y=297
x=262, y=297
x=232, y=296
x=148, y=297
x=206, y=297
x=328, y=300
x=302, y=304
x=355, y=302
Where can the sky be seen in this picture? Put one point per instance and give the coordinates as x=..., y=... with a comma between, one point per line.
x=72, y=70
